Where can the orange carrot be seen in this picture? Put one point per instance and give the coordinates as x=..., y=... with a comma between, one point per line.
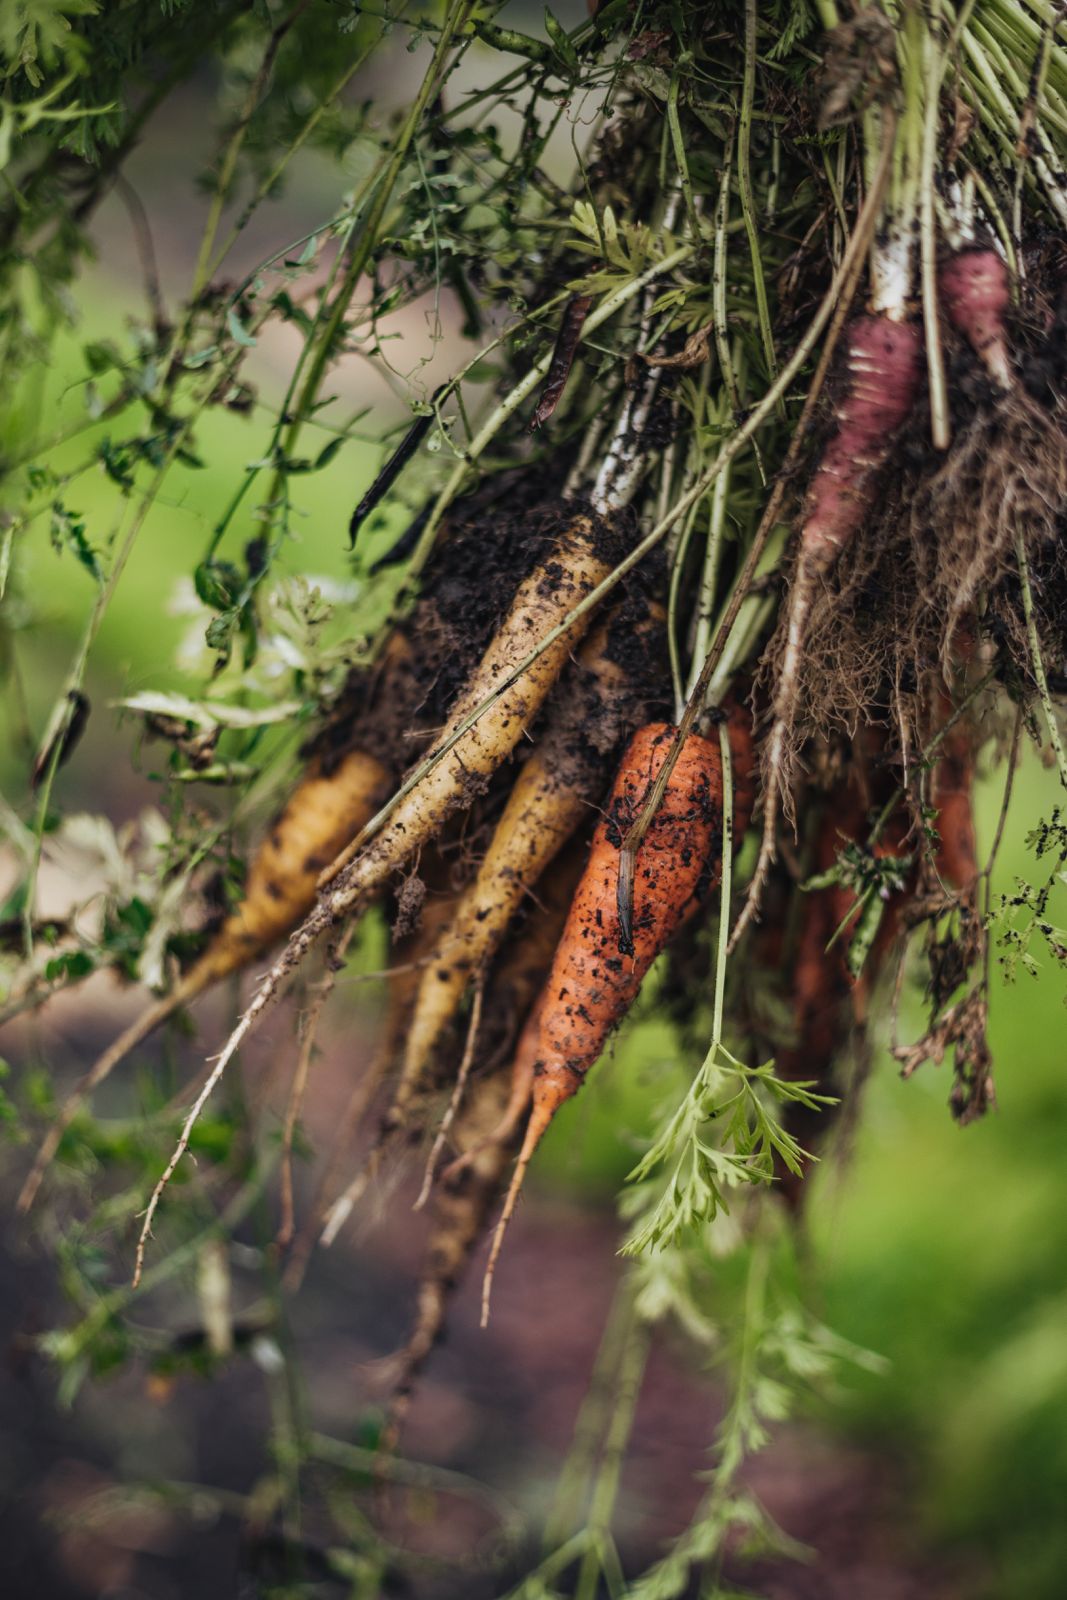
x=592, y=984
x=601, y=699
x=517, y=982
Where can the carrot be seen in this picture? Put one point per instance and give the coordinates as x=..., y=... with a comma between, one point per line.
x=828, y=1004
x=323, y=812
x=488, y=1125
x=351, y=763
x=1005, y=492
x=466, y=756
x=975, y=288
x=818, y=989
x=592, y=985
x=822, y=1019
x=461, y=762
x=883, y=366
x=519, y=977
x=515, y=981
x=598, y=703
x=521, y=1088
x=952, y=792
x=462, y=1204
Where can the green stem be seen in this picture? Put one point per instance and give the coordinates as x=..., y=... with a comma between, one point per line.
x=997, y=110
x=233, y=149
x=725, y=884
x=709, y=577
x=66, y=1347
x=606, y=1488
x=1037, y=661
x=935, y=358
x=996, y=216
x=677, y=573
x=752, y=1325
x=719, y=276
x=283, y=161
x=360, y=256
x=674, y=125
x=744, y=188
x=507, y=407
x=76, y=674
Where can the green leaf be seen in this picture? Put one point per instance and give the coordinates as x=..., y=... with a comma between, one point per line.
x=209, y=713
x=117, y=461
x=101, y=355
x=864, y=934
x=328, y=452
x=68, y=531
x=221, y=629
x=217, y=584
x=561, y=43
x=71, y=965
x=238, y=330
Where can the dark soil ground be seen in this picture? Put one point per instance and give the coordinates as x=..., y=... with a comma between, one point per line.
x=497, y=1405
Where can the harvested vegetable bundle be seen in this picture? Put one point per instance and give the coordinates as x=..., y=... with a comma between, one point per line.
x=504, y=694
x=799, y=350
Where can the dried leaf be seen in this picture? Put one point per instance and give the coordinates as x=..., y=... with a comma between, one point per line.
x=694, y=353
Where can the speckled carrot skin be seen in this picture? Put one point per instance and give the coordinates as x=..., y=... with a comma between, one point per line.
x=592, y=982
x=592, y=985
x=584, y=555
x=322, y=814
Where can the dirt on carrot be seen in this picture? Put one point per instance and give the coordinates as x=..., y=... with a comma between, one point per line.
x=594, y=980
x=598, y=702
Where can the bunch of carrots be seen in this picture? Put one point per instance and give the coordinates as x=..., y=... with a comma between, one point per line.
x=563, y=804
